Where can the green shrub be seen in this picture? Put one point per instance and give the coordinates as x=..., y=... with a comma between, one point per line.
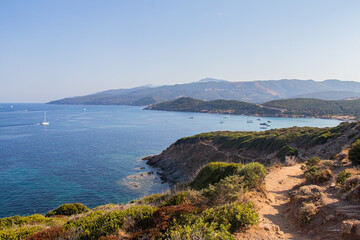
x=254, y=175
x=21, y=220
x=199, y=230
x=238, y=215
x=227, y=190
x=343, y=175
x=98, y=224
x=317, y=171
x=306, y=212
x=68, y=210
x=312, y=161
x=17, y=233
x=179, y=198
x=286, y=151
x=317, y=174
x=354, y=152
x=351, y=183
x=213, y=173
x=153, y=199
x=109, y=206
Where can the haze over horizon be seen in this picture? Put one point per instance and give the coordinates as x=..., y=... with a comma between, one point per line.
x=56, y=49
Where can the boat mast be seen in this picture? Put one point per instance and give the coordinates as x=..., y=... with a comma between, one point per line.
x=44, y=116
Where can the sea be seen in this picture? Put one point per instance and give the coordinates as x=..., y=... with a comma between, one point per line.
x=92, y=154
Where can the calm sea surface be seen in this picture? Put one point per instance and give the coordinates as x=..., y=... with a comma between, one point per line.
x=92, y=155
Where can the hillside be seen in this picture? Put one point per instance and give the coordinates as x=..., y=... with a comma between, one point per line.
x=185, y=104
x=330, y=95
x=316, y=107
x=294, y=107
x=212, y=89
x=182, y=160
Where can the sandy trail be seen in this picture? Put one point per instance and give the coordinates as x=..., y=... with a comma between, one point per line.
x=273, y=223
x=279, y=182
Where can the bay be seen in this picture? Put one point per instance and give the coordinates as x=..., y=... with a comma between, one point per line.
x=91, y=154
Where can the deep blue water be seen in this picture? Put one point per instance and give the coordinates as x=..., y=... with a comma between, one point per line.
x=87, y=155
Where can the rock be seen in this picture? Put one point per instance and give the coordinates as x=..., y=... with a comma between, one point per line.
x=330, y=218
x=351, y=228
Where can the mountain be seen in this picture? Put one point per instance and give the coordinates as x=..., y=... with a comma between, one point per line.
x=211, y=80
x=210, y=89
x=330, y=95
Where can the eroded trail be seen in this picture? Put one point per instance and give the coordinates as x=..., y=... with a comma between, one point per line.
x=274, y=224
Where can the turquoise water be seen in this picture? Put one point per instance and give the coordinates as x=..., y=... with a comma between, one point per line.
x=91, y=156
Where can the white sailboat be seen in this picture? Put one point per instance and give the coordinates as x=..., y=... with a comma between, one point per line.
x=44, y=122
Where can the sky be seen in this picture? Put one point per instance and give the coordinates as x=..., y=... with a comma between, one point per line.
x=61, y=48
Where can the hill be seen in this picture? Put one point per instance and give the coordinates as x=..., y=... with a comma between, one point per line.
x=212, y=89
x=185, y=104
x=306, y=107
x=330, y=95
x=294, y=107
x=183, y=159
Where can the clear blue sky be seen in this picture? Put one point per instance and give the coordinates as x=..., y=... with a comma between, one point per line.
x=57, y=48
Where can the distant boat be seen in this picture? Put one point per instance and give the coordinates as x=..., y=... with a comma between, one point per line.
x=259, y=119
x=262, y=123
x=191, y=117
x=84, y=109
x=269, y=121
x=44, y=122
x=222, y=122
x=249, y=121
x=226, y=117
x=263, y=127
x=11, y=106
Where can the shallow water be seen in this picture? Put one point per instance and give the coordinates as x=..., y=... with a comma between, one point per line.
x=91, y=156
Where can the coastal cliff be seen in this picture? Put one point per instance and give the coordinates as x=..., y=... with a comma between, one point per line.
x=181, y=161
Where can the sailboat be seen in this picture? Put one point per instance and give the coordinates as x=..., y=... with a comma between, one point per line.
x=44, y=122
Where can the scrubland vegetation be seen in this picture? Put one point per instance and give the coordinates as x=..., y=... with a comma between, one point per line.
x=212, y=206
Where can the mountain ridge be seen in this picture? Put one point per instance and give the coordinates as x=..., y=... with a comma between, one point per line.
x=212, y=89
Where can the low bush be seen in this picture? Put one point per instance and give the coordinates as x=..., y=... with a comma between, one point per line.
x=68, y=210
x=199, y=230
x=343, y=176
x=227, y=190
x=305, y=203
x=47, y=234
x=98, y=224
x=110, y=237
x=179, y=198
x=354, y=152
x=213, y=173
x=21, y=220
x=351, y=183
x=306, y=212
x=317, y=171
x=237, y=215
x=166, y=217
x=254, y=175
x=17, y=233
x=312, y=161
x=153, y=199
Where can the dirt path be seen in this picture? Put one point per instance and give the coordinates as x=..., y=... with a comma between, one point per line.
x=273, y=224
x=278, y=183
